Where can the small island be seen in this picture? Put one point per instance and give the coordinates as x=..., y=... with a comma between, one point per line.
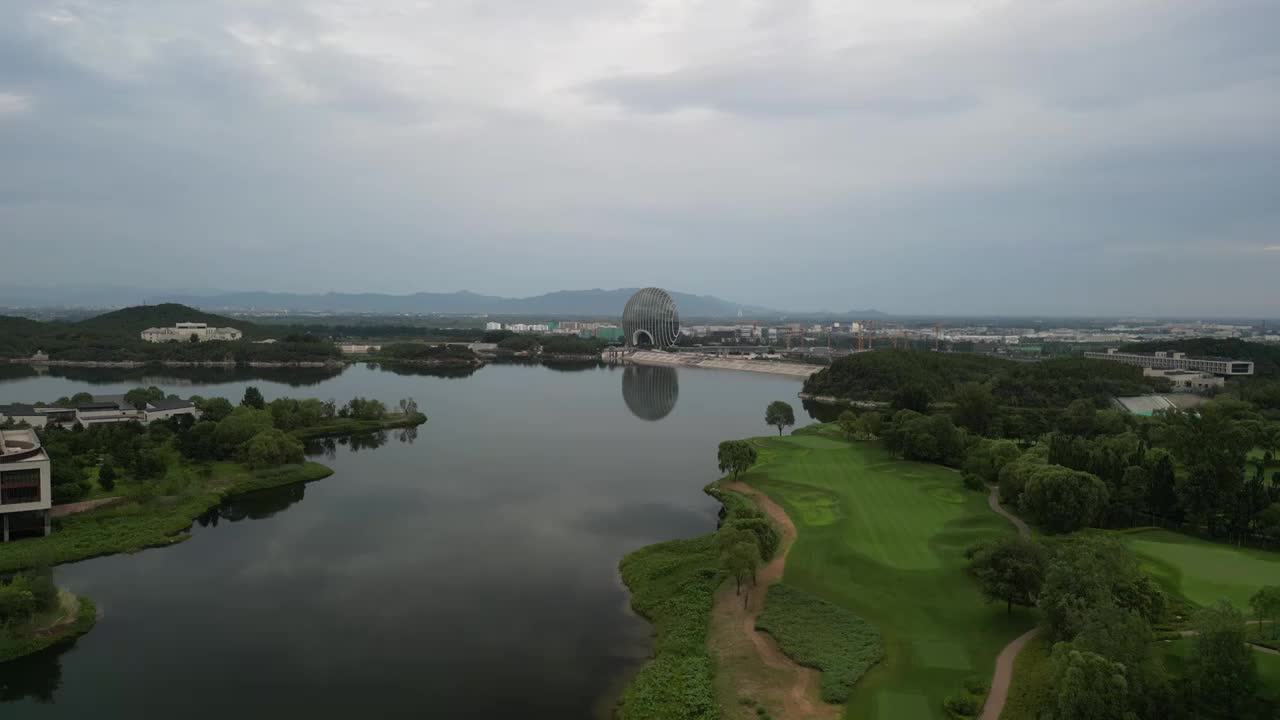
x=35, y=614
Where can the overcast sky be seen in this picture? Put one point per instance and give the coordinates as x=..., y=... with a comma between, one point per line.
x=1043, y=156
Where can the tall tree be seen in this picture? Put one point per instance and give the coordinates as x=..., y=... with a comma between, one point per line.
x=137, y=398
x=1222, y=670
x=1063, y=500
x=1266, y=606
x=780, y=414
x=736, y=457
x=1088, y=685
x=253, y=398
x=912, y=396
x=1009, y=569
x=975, y=407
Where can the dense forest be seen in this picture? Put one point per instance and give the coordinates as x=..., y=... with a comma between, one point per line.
x=1050, y=384
x=116, y=337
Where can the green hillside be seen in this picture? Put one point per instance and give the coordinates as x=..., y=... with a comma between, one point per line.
x=131, y=321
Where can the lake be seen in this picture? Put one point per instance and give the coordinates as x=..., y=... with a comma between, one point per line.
x=468, y=569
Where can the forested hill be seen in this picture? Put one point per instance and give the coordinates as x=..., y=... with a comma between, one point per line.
x=132, y=321
x=1266, y=358
x=880, y=374
x=116, y=337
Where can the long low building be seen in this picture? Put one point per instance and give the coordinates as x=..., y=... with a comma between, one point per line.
x=25, y=492
x=103, y=409
x=189, y=331
x=1176, y=361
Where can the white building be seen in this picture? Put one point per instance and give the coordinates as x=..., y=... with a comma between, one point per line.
x=185, y=331
x=1188, y=380
x=1176, y=361
x=491, y=326
x=103, y=409
x=25, y=491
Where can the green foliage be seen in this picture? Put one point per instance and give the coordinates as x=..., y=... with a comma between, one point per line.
x=253, y=399
x=821, y=635
x=985, y=460
x=1266, y=606
x=359, y=408
x=1062, y=500
x=1009, y=569
x=519, y=343
x=962, y=705
x=428, y=353
x=1223, y=674
x=927, y=438
x=237, y=428
x=1050, y=384
x=107, y=477
x=14, y=645
x=673, y=586
x=735, y=457
x=975, y=407
x=133, y=525
x=780, y=414
x=270, y=448
x=138, y=398
x=1088, y=685
x=914, y=397
x=213, y=409
x=1086, y=573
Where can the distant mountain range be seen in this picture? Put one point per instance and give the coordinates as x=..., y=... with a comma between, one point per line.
x=592, y=303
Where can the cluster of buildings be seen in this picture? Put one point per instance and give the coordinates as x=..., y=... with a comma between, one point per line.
x=1184, y=373
x=190, y=332
x=603, y=330
x=102, y=409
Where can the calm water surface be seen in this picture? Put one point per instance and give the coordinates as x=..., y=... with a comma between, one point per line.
x=470, y=571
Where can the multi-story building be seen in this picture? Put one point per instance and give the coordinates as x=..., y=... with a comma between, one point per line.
x=103, y=409
x=1188, y=380
x=1161, y=360
x=188, y=331
x=25, y=492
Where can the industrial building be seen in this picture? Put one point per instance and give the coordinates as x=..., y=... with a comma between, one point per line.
x=1161, y=360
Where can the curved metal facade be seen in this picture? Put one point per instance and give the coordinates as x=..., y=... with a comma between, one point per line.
x=650, y=391
x=650, y=318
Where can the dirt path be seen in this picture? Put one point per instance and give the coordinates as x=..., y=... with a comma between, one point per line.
x=1003, y=677
x=79, y=507
x=802, y=700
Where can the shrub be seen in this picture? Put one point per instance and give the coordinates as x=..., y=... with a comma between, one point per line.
x=962, y=705
x=818, y=634
x=107, y=477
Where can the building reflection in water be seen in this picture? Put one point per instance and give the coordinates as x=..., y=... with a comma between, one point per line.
x=650, y=391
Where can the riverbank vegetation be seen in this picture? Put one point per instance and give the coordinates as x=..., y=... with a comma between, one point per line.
x=821, y=635
x=34, y=614
x=430, y=355
x=168, y=473
x=673, y=586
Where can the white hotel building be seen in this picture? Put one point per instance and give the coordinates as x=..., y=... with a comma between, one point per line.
x=185, y=331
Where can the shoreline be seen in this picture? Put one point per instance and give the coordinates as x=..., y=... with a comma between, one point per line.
x=135, y=364
x=71, y=628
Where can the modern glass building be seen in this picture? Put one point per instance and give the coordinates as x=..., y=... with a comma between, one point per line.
x=650, y=319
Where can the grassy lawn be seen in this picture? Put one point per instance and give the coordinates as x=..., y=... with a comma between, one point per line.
x=1176, y=653
x=885, y=539
x=1030, y=693
x=1203, y=571
x=184, y=493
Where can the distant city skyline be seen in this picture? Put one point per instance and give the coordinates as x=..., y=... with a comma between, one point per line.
x=1073, y=158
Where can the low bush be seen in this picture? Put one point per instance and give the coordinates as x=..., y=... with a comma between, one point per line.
x=818, y=634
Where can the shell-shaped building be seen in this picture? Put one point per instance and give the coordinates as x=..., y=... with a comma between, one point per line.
x=650, y=319
x=650, y=391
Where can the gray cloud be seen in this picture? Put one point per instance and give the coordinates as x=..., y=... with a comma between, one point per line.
x=1037, y=157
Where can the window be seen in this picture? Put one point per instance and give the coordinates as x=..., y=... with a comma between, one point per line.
x=19, y=486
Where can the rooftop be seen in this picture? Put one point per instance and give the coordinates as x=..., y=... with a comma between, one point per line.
x=17, y=445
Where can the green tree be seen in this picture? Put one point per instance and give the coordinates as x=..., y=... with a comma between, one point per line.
x=1163, y=494
x=214, y=409
x=1088, y=686
x=987, y=458
x=740, y=561
x=1222, y=671
x=1062, y=500
x=1079, y=418
x=780, y=414
x=848, y=422
x=80, y=398
x=1266, y=606
x=975, y=407
x=912, y=397
x=736, y=457
x=237, y=428
x=1010, y=569
x=1090, y=572
x=253, y=398
x=870, y=424
x=270, y=448
x=107, y=477
x=137, y=398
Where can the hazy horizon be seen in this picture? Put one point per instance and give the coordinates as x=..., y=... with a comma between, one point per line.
x=990, y=158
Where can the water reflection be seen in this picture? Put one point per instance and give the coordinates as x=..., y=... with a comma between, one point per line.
x=327, y=448
x=650, y=391
x=409, y=369
x=37, y=676
x=176, y=377
x=256, y=505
